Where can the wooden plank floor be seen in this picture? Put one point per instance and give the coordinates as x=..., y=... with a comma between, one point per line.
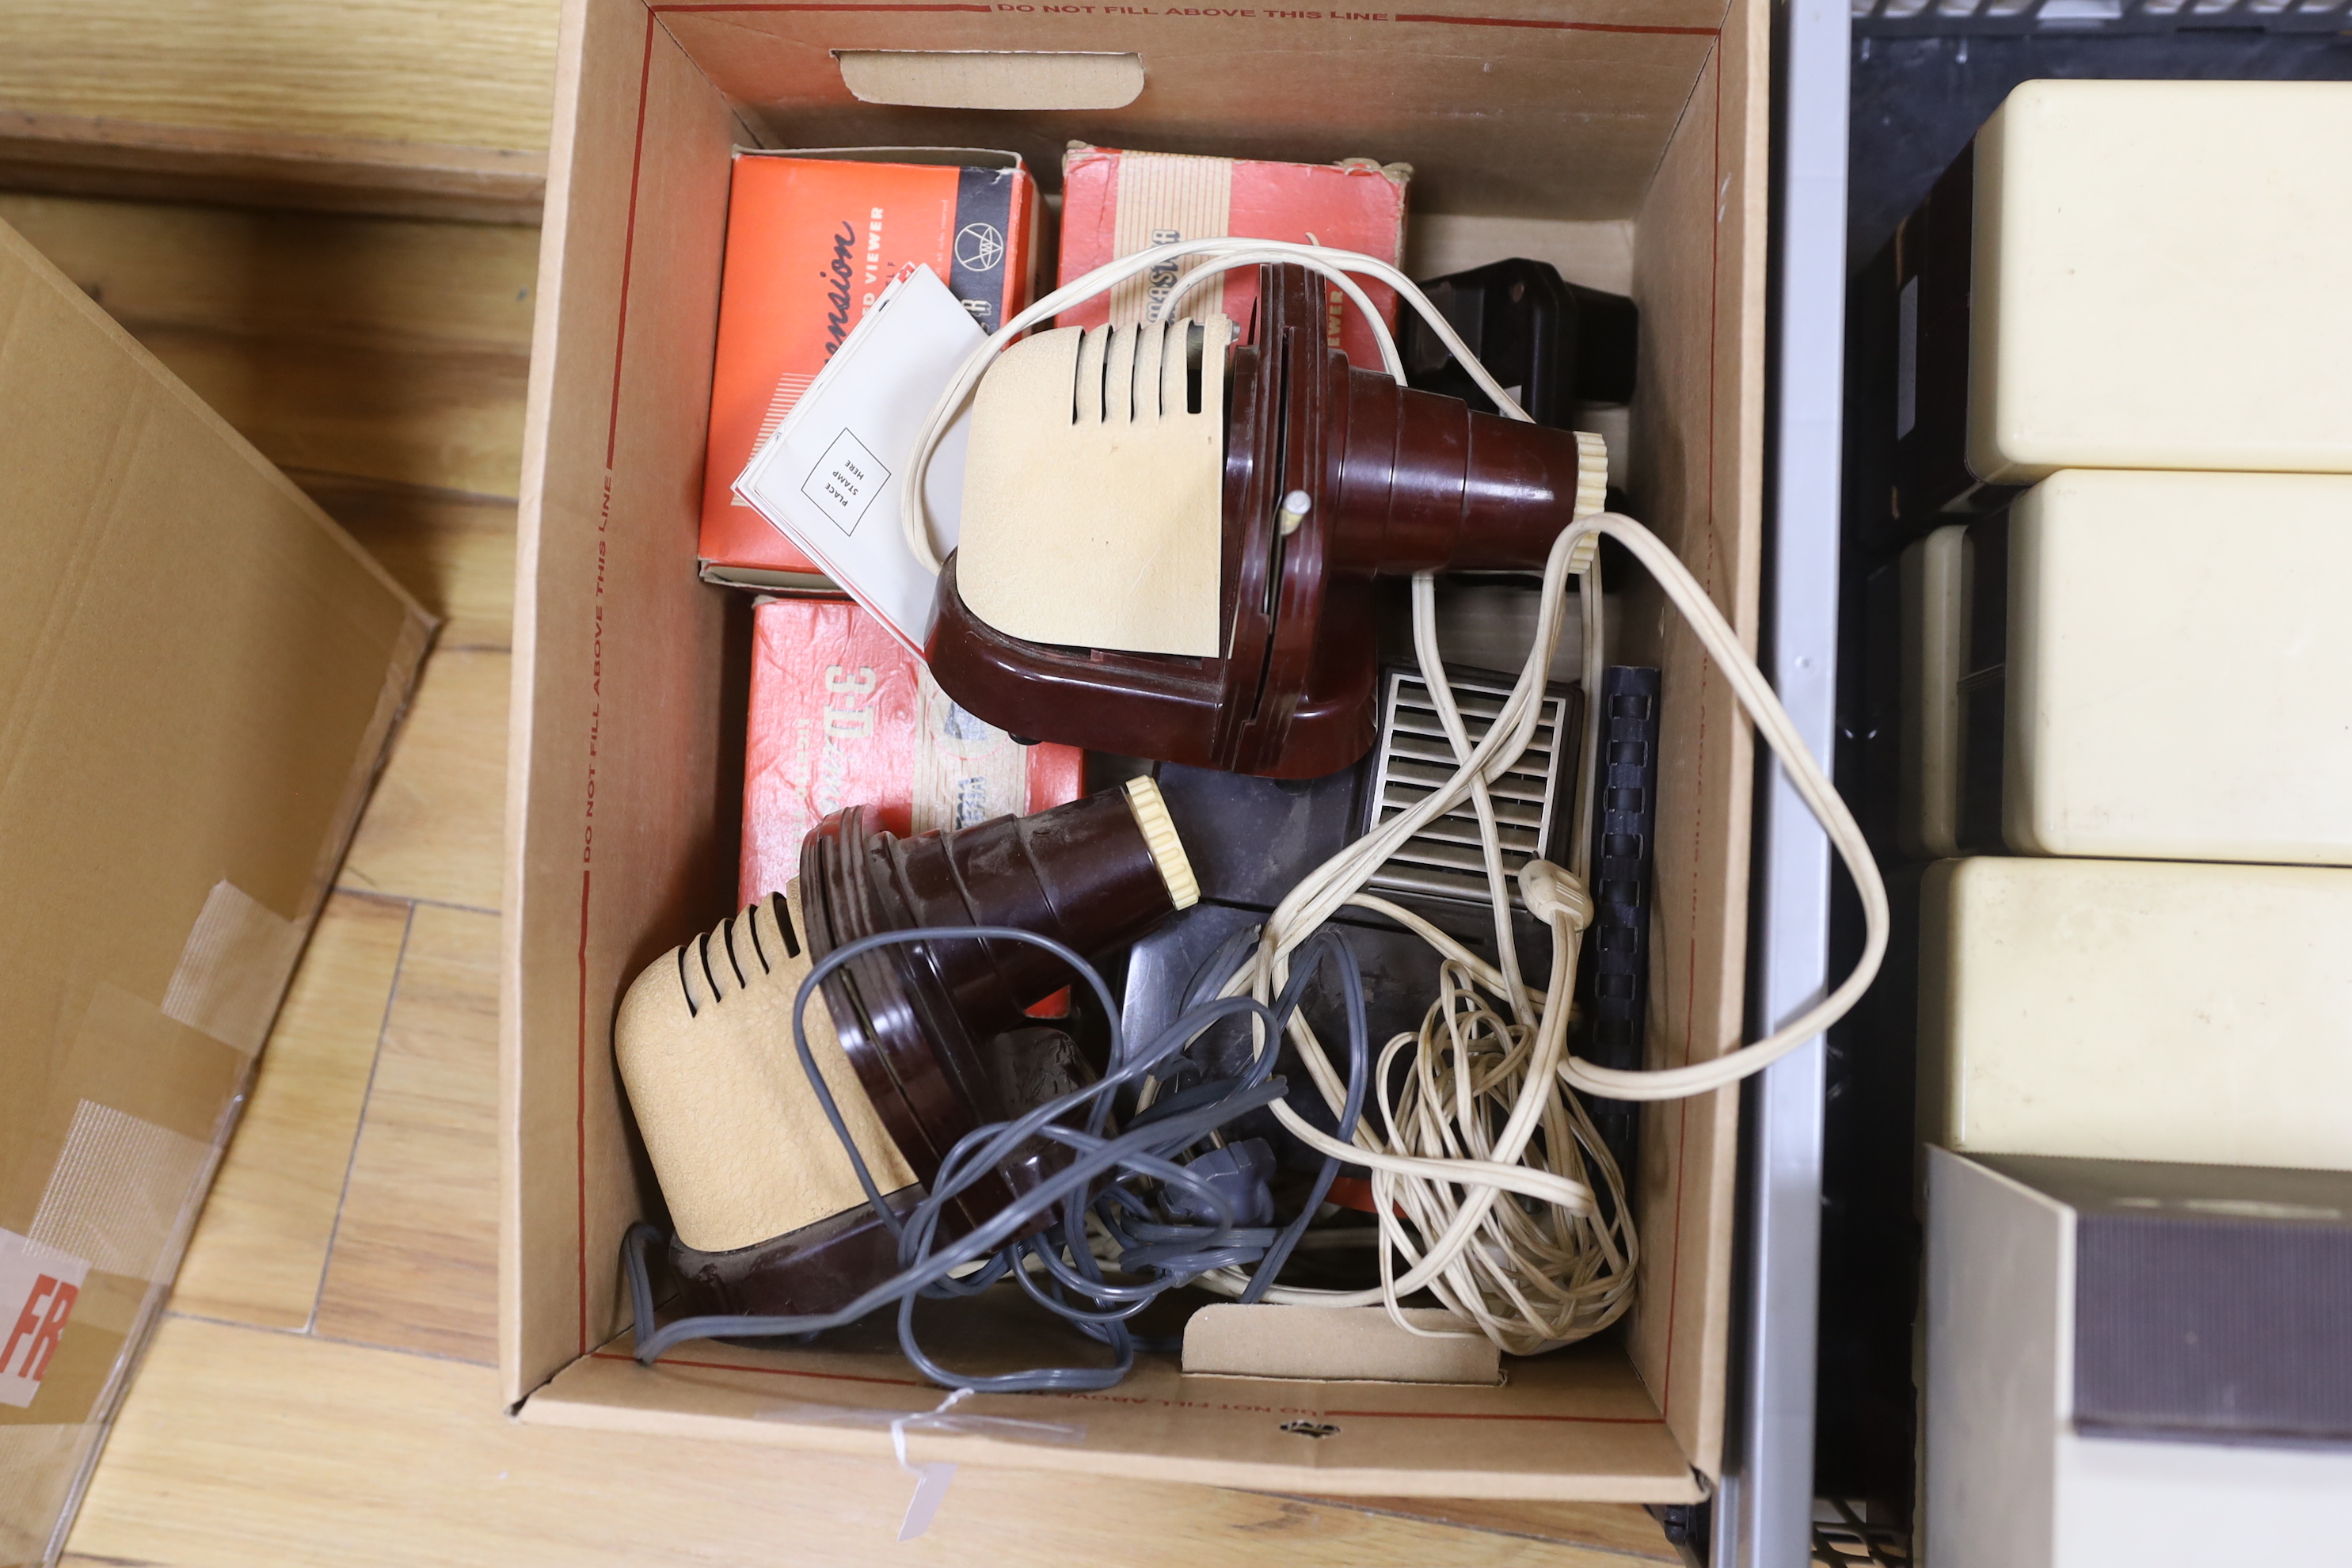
x=322, y=1391
x=421, y=71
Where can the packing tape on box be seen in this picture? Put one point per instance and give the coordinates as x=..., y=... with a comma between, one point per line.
x=120, y=1191
x=930, y=1480
x=101, y=1248
x=38, y=1288
x=1011, y=1428
x=39, y=1463
x=103, y=1182
x=107, y=1197
x=234, y=968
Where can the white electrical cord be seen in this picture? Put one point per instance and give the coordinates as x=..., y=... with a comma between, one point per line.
x=1485, y=1110
x=1224, y=255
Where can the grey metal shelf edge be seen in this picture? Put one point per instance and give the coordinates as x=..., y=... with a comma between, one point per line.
x=1762, y=1516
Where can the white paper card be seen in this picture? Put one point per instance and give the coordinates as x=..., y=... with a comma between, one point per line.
x=38, y=1286
x=830, y=477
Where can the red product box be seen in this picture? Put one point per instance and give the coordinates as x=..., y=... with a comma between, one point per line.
x=1114, y=204
x=842, y=715
x=811, y=241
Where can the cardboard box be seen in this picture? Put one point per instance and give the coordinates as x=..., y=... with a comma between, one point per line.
x=812, y=240
x=198, y=674
x=1115, y=203
x=1633, y=156
x=842, y=715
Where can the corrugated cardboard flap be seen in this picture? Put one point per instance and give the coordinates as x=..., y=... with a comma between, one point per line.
x=198, y=675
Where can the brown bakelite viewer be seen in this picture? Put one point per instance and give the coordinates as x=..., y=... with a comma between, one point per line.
x=1398, y=481
x=927, y=1025
x=934, y=1033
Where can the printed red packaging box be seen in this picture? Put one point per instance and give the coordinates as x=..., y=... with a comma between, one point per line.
x=1114, y=204
x=812, y=240
x=842, y=715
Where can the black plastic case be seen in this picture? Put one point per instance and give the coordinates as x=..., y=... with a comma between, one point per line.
x=1552, y=344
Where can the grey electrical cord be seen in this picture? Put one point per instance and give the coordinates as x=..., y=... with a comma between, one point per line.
x=1164, y=1252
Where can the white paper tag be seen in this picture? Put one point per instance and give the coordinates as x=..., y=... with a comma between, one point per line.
x=930, y=1491
x=38, y=1287
x=931, y=1481
x=829, y=479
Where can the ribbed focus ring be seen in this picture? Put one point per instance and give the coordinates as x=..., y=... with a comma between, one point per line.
x=1592, y=474
x=1160, y=835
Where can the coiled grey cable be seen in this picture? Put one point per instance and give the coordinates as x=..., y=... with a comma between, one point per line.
x=1164, y=1255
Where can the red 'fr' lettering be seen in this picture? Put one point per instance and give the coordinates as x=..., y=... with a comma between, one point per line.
x=38, y=1327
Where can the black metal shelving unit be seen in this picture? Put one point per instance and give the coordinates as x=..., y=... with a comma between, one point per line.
x=1923, y=78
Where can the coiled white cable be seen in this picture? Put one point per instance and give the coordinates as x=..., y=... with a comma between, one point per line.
x=1485, y=1110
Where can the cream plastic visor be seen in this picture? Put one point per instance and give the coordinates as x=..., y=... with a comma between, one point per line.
x=1093, y=488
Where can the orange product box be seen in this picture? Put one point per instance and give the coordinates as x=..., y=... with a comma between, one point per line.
x=842, y=715
x=1114, y=204
x=812, y=240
